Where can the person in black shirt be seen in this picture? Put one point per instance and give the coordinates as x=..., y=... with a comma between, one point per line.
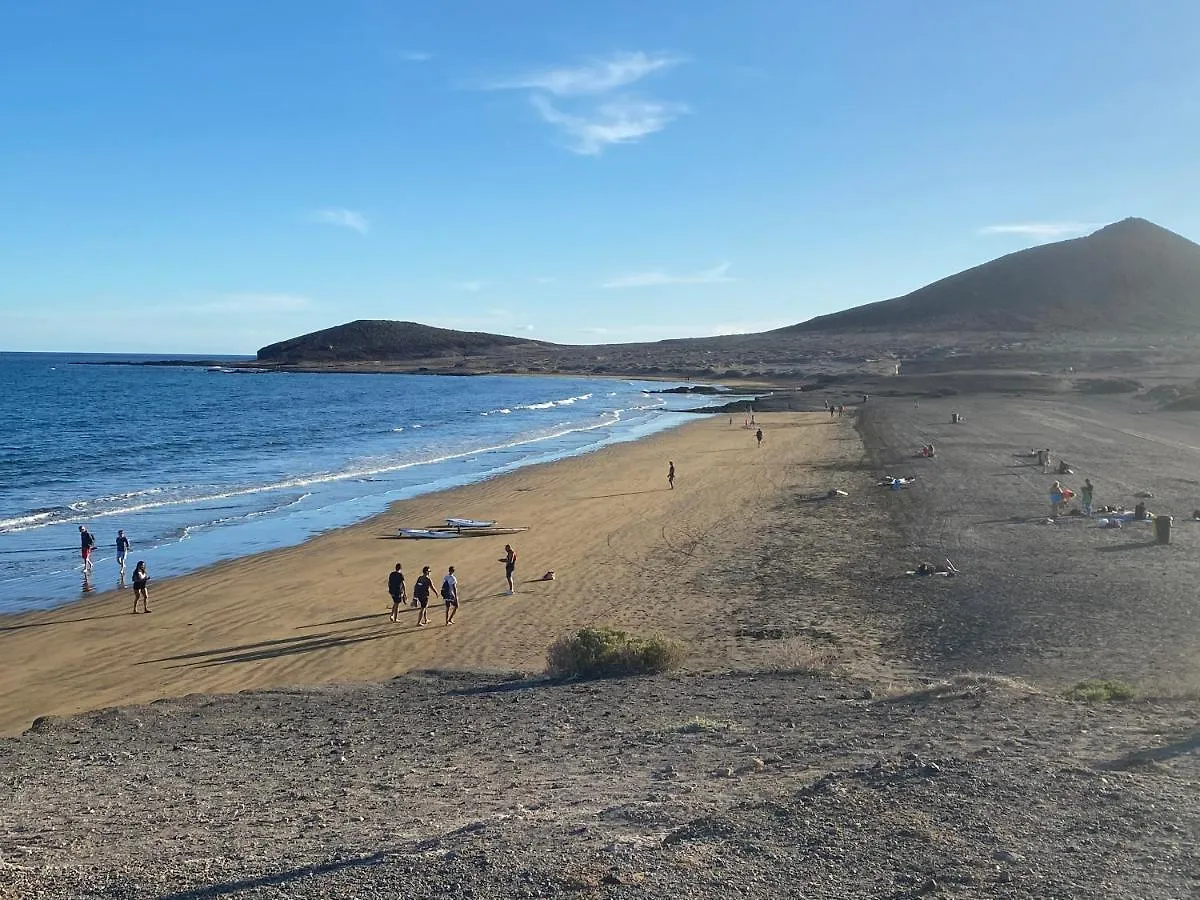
x=421, y=590
x=396, y=589
x=87, y=543
x=122, y=550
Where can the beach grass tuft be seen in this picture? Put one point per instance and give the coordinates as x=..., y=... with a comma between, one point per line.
x=606, y=652
x=701, y=725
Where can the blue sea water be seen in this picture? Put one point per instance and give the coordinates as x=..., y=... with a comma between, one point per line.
x=199, y=466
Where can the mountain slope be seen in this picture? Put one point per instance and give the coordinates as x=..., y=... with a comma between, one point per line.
x=380, y=339
x=1129, y=275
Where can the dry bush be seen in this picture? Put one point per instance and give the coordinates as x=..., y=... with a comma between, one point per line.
x=1101, y=690
x=801, y=656
x=604, y=652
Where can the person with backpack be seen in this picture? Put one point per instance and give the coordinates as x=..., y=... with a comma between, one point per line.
x=396, y=590
x=422, y=588
x=450, y=595
x=87, y=543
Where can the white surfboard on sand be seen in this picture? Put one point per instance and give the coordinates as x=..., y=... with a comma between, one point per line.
x=468, y=523
x=426, y=533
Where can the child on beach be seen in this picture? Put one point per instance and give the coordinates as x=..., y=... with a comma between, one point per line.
x=140, y=579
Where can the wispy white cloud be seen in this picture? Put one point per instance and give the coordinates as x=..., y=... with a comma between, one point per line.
x=596, y=77
x=473, y=287
x=656, y=277
x=416, y=56
x=342, y=218
x=639, y=333
x=544, y=279
x=619, y=121
x=1045, y=231
x=584, y=104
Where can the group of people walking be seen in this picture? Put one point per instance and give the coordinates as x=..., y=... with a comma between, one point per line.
x=422, y=589
x=141, y=577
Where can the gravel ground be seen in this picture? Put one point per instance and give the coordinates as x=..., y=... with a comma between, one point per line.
x=459, y=786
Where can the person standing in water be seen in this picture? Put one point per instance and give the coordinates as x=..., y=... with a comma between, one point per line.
x=422, y=588
x=671, y=473
x=122, y=551
x=510, y=566
x=396, y=590
x=87, y=543
x=140, y=579
x=450, y=595
x=758, y=436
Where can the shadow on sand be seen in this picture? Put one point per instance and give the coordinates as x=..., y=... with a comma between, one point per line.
x=279, y=878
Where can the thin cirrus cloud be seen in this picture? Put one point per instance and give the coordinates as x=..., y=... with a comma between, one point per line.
x=598, y=77
x=416, y=56
x=584, y=104
x=471, y=287
x=245, y=304
x=1045, y=231
x=657, y=277
x=341, y=218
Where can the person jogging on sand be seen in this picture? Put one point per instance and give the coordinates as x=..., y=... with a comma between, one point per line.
x=671, y=474
x=87, y=543
x=396, y=589
x=140, y=579
x=422, y=588
x=450, y=595
x=510, y=566
x=122, y=550
x=758, y=436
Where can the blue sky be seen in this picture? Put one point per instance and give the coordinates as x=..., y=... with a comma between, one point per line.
x=212, y=176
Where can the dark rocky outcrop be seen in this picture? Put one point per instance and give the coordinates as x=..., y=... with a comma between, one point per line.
x=379, y=339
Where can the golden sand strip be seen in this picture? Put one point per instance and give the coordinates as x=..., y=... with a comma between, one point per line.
x=619, y=541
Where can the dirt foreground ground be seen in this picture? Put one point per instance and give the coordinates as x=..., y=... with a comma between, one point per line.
x=824, y=742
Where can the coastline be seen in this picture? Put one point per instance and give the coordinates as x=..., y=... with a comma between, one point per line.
x=317, y=612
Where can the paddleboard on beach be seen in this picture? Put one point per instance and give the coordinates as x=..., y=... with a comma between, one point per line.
x=426, y=533
x=468, y=523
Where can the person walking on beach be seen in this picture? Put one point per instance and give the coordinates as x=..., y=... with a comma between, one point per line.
x=87, y=543
x=510, y=566
x=450, y=595
x=1085, y=496
x=671, y=473
x=758, y=436
x=140, y=579
x=396, y=589
x=122, y=551
x=422, y=588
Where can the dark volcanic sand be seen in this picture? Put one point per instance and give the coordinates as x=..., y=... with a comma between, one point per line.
x=1057, y=602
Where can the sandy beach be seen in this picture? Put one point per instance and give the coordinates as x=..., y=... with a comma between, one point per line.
x=626, y=550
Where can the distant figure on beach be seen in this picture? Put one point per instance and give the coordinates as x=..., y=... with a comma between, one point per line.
x=397, y=590
x=422, y=588
x=87, y=543
x=832, y=411
x=122, y=550
x=510, y=566
x=841, y=409
x=671, y=473
x=140, y=579
x=758, y=436
x=450, y=595
x=1057, y=498
x=1085, y=496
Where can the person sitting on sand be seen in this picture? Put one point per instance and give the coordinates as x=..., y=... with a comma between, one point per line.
x=450, y=595
x=396, y=589
x=140, y=579
x=422, y=588
x=510, y=566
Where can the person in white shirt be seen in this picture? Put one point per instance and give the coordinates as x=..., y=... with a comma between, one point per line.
x=450, y=595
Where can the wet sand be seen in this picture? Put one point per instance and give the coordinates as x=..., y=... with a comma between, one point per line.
x=626, y=550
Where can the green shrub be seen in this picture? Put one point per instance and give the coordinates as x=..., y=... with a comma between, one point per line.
x=699, y=724
x=1097, y=690
x=603, y=652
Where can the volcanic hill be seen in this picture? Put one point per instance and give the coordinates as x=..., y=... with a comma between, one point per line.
x=1132, y=274
x=380, y=339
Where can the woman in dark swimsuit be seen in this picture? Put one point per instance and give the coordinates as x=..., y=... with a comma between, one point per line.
x=140, y=580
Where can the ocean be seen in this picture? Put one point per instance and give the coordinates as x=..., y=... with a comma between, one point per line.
x=198, y=466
